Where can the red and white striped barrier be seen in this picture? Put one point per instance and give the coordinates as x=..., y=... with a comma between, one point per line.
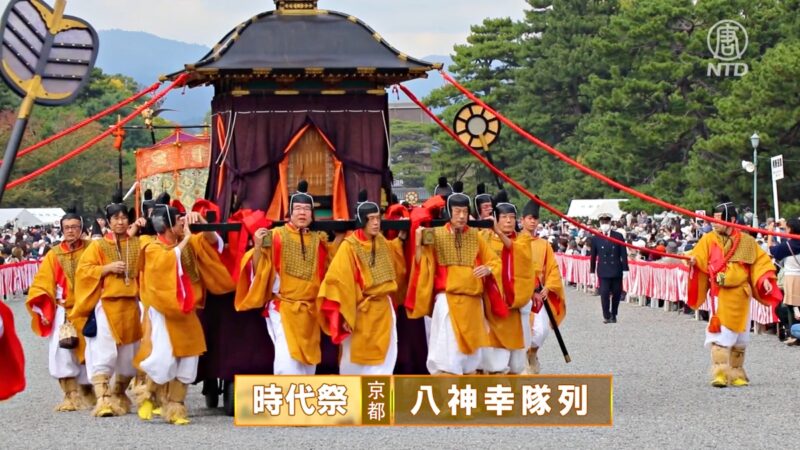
x=667, y=282
x=17, y=277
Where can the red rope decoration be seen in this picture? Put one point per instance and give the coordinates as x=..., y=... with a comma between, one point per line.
x=533, y=139
x=178, y=81
x=519, y=187
x=85, y=122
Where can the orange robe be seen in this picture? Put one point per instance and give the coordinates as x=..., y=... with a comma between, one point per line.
x=299, y=284
x=120, y=295
x=465, y=293
x=350, y=294
x=733, y=273
x=547, y=273
x=518, y=285
x=54, y=284
x=178, y=297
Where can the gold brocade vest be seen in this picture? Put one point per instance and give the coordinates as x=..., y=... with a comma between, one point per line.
x=299, y=260
x=68, y=260
x=127, y=252
x=455, y=249
x=188, y=261
x=380, y=266
x=746, y=250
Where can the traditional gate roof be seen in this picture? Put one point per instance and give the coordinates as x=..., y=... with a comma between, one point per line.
x=302, y=41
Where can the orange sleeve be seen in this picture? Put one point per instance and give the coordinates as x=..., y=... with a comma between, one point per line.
x=88, y=281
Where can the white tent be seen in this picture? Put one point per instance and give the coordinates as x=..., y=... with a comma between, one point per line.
x=48, y=216
x=28, y=217
x=593, y=208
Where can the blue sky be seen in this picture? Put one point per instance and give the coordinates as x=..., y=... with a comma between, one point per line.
x=416, y=27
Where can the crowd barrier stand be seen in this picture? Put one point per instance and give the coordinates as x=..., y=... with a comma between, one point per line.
x=658, y=281
x=17, y=277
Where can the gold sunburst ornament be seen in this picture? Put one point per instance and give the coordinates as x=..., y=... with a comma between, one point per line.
x=476, y=126
x=412, y=197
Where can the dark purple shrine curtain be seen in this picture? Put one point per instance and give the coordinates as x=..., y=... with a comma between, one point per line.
x=263, y=127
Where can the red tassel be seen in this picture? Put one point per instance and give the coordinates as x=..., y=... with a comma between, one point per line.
x=714, y=326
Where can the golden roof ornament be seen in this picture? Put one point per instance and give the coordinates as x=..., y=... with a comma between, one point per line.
x=294, y=5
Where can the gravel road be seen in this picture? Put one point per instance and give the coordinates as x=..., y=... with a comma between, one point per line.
x=661, y=399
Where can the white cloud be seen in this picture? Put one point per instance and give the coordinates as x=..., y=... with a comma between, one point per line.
x=416, y=27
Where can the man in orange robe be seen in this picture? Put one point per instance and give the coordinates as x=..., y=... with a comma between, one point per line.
x=451, y=278
x=106, y=284
x=355, y=299
x=729, y=268
x=282, y=276
x=548, y=280
x=509, y=337
x=176, y=269
x=51, y=298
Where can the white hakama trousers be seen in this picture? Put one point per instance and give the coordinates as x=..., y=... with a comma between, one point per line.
x=729, y=338
x=62, y=362
x=501, y=360
x=161, y=365
x=284, y=363
x=347, y=367
x=103, y=355
x=443, y=352
x=541, y=328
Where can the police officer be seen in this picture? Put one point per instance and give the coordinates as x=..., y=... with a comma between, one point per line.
x=610, y=260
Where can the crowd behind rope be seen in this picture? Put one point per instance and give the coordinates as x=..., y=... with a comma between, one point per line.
x=19, y=244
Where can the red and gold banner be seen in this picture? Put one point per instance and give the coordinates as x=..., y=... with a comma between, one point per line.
x=177, y=165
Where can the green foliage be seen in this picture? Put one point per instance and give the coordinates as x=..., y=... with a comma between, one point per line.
x=89, y=180
x=623, y=87
x=411, y=148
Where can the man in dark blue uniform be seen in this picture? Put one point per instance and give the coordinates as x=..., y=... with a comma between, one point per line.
x=610, y=260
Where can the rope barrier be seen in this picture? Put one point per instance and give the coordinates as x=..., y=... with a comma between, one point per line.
x=85, y=122
x=518, y=186
x=544, y=146
x=97, y=138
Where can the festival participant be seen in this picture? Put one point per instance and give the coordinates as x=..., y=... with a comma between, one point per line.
x=452, y=274
x=355, y=299
x=176, y=270
x=443, y=188
x=12, y=360
x=287, y=266
x=143, y=226
x=548, y=280
x=483, y=203
x=412, y=340
x=144, y=389
x=106, y=285
x=729, y=268
x=51, y=299
x=509, y=336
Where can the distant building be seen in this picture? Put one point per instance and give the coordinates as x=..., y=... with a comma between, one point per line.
x=408, y=112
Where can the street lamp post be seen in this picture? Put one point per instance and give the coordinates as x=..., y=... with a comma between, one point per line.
x=754, y=140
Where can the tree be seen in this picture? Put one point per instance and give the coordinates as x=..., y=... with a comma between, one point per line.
x=86, y=181
x=89, y=180
x=766, y=100
x=411, y=150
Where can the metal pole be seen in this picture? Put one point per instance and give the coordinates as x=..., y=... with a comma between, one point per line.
x=755, y=187
x=775, y=198
x=119, y=161
x=11, y=152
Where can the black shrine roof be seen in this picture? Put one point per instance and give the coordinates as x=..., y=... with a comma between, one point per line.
x=315, y=42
